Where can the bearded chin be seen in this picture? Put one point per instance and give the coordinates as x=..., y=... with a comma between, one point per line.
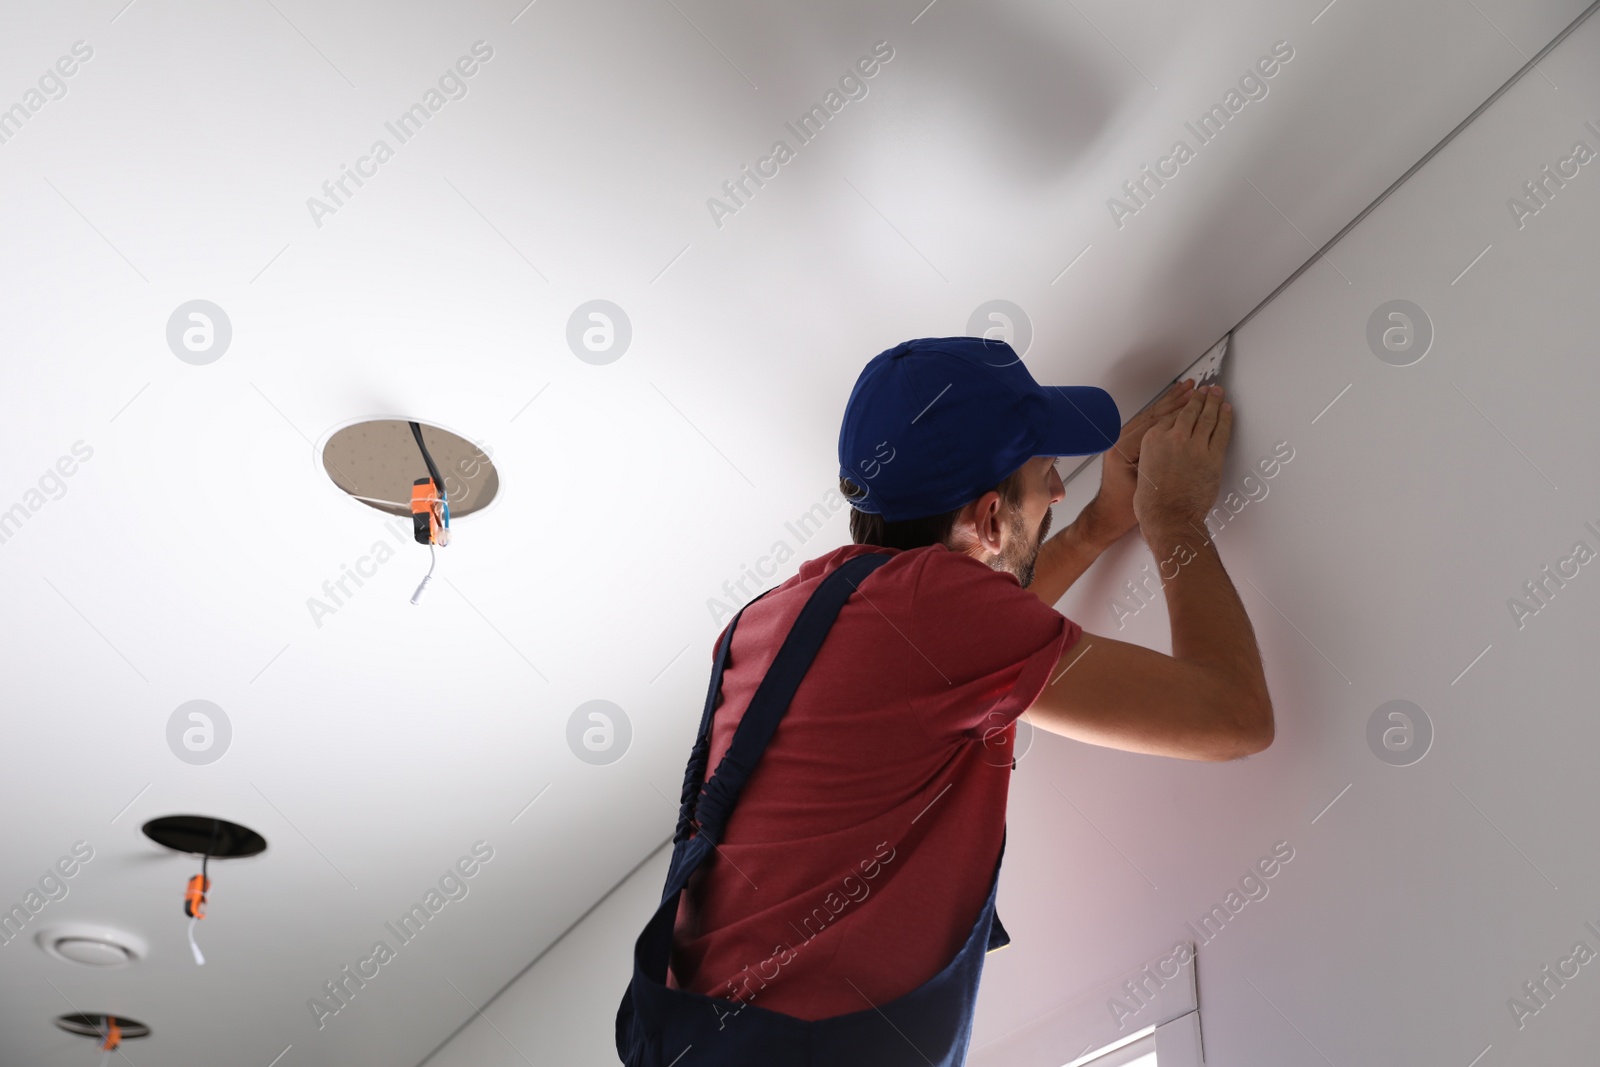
x=1021, y=555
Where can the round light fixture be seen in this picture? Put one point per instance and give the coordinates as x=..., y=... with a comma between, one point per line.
x=377, y=462
x=209, y=838
x=91, y=952
x=91, y=945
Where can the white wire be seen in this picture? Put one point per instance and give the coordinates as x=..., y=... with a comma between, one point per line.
x=394, y=503
x=433, y=558
x=198, y=958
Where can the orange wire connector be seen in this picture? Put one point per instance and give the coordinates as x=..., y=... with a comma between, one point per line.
x=194, y=897
x=425, y=501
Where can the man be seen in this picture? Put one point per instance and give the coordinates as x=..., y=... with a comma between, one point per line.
x=832, y=889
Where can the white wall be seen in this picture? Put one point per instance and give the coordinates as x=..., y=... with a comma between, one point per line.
x=563, y=1009
x=1378, y=567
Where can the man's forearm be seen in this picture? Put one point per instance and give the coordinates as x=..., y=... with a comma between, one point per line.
x=1209, y=624
x=1064, y=557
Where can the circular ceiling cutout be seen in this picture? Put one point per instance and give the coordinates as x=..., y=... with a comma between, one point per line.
x=200, y=834
x=377, y=461
x=95, y=1025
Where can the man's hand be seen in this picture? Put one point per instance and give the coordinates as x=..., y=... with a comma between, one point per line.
x=1110, y=514
x=1064, y=557
x=1183, y=456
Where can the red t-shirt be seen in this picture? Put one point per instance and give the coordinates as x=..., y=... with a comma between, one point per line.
x=862, y=846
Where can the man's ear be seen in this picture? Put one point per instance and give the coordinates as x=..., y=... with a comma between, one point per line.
x=988, y=522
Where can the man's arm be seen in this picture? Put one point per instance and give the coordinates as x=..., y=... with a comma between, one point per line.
x=1064, y=557
x=1209, y=699
x=1206, y=701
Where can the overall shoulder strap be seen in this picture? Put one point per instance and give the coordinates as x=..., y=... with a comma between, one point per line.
x=777, y=689
x=694, y=774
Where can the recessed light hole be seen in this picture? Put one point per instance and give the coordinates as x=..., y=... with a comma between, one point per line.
x=199, y=835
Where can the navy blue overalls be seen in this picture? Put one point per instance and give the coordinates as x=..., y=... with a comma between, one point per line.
x=662, y=1027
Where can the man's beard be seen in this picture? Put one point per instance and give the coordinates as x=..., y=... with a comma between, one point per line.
x=1020, y=555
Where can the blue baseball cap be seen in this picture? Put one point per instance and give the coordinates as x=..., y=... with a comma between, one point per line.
x=934, y=423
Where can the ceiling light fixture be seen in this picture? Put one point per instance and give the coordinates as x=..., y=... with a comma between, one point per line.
x=91, y=945
x=204, y=836
x=376, y=463
x=110, y=1030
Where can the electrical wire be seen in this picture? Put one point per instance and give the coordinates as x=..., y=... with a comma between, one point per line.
x=379, y=500
x=199, y=958
x=433, y=471
x=443, y=500
x=433, y=558
x=112, y=1033
x=205, y=884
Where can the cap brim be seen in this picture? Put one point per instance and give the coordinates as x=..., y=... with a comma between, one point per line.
x=1079, y=420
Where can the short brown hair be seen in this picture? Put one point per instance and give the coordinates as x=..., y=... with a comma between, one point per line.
x=869, y=529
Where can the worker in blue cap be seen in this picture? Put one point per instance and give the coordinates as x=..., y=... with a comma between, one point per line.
x=832, y=887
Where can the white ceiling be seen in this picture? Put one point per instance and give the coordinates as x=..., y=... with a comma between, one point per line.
x=374, y=749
